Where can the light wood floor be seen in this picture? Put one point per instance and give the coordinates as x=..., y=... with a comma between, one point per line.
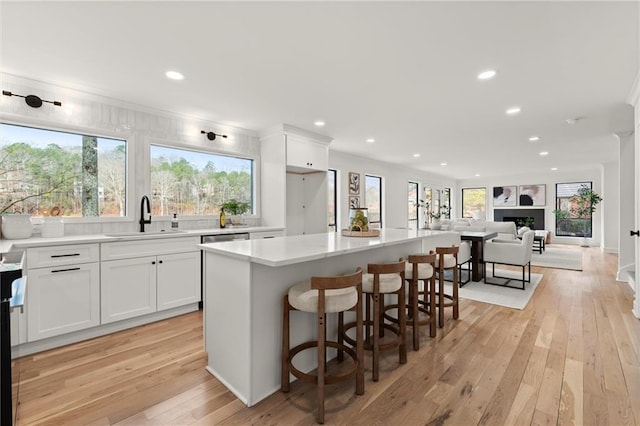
x=571, y=357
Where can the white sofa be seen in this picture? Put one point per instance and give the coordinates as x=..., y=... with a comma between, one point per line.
x=505, y=230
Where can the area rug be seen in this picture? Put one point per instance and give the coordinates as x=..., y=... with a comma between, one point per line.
x=560, y=258
x=496, y=295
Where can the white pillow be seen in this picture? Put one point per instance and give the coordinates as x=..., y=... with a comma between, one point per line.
x=522, y=230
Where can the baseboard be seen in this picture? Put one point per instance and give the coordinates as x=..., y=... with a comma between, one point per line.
x=610, y=250
x=627, y=275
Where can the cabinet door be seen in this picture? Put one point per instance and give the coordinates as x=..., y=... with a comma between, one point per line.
x=178, y=279
x=62, y=299
x=128, y=288
x=305, y=155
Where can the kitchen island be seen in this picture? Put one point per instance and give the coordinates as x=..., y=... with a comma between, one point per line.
x=244, y=282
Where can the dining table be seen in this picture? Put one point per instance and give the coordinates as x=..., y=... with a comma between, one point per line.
x=477, y=239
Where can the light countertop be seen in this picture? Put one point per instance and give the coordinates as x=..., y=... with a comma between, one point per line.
x=302, y=248
x=7, y=245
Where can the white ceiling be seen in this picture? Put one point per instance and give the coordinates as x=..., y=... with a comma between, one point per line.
x=402, y=73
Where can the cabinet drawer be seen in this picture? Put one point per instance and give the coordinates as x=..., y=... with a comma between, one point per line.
x=45, y=257
x=128, y=249
x=265, y=234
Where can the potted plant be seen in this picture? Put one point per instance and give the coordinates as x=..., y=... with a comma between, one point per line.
x=234, y=208
x=435, y=223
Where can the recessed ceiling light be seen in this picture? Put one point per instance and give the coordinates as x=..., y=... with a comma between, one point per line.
x=477, y=175
x=486, y=75
x=319, y=123
x=554, y=168
x=543, y=153
x=443, y=164
x=534, y=138
x=513, y=110
x=371, y=140
x=416, y=155
x=174, y=75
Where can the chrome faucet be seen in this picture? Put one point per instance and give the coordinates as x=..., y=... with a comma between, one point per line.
x=142, y=219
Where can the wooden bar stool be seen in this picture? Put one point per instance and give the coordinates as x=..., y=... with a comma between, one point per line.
x=383, y=279
x=447, y=260
x=421, y=267
x=323, y=295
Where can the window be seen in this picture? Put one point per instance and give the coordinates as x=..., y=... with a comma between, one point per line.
x=198, y=183
x=569, y=220
x=373, y=200
x=332, y=199
x=412, y=205
x=446, y=204
x=473, y=202
x=77, y=175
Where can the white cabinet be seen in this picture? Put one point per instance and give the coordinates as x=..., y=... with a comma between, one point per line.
x=128, y=288
x=306, y=203
x=304, y=155
x=145, y=276
x=287, y=202
x=63, y=293
x=265, y=234
x=178, y=279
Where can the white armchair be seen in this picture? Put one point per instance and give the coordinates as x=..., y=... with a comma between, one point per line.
x=516, y=253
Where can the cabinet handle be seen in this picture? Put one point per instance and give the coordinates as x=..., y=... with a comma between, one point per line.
x=65, y=255
x=65, y=270
x=160, y=261
x=153, y=263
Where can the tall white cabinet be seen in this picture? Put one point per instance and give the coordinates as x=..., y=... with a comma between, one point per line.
x=294, y=165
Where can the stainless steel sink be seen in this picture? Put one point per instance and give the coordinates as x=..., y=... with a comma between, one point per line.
x=144, y=234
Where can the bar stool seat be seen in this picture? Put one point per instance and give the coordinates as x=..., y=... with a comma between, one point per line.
x=304, y=298
x=320, y=296
x=389, y=283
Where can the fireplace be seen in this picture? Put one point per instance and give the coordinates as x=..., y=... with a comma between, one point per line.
x=519, y=215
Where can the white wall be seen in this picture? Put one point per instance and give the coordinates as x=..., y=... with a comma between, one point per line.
x=611, y=209
x=549, y=179
x=394, y=191
x=139, y=125
x=626, y=250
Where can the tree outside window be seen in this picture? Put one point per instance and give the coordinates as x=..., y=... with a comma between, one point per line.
x=76, y=175
x=474, y=202
x=190, y=182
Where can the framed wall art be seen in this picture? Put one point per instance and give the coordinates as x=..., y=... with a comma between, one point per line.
x=354, y=183
x=354, y=201
x=504, y=196
x=532, y=195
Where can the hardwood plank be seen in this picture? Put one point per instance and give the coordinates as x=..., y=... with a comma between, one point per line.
x=572, y=356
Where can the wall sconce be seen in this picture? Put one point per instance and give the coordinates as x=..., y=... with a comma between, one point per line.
x=212, y=136
x=32, y=100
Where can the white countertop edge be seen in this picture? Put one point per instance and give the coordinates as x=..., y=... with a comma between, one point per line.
x=216, y=248
x=8, y=245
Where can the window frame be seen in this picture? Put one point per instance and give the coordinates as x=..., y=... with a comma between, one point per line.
x=335, y=198
x=474, y=188
x=412, y=205
x=131, y=151
x=366, y=203
x=202, y=149
x=557, y=207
